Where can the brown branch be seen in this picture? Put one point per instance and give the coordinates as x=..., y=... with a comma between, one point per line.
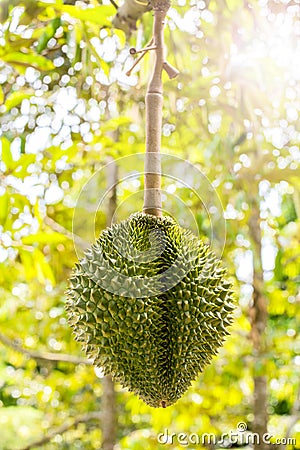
x=154, y=102
x=108, y=401
x=128, y=73
x=109, y=419
x=63, y=428
x=171, y=71
x=128, y=14
x=112, y=181
x=28, y=248
x=45, y=356
x=114, y=4
x=81, y=243
x=258, y=317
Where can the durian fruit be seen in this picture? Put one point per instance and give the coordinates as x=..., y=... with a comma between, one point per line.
x=150, y=305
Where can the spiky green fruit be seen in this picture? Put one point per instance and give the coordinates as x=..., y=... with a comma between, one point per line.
x=150, y=305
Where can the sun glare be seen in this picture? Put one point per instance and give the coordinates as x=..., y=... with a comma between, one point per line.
x=272, y=50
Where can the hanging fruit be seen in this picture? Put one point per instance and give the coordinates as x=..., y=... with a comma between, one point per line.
x=149, y=301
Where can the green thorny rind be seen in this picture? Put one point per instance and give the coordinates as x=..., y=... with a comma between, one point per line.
x=156, y=345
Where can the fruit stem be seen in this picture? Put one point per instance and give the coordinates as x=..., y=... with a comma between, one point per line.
x=154, y=103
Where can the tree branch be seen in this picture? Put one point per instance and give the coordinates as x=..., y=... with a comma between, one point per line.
x=114, y=4
x=62, y=230
x=109, y=419
x=129, y=13
x=47, y=356
x=63, y=428
x=109, y=407
x=154, y=103
x=258, y=316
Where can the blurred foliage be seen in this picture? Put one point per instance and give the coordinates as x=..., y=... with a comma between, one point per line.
x=66, y=107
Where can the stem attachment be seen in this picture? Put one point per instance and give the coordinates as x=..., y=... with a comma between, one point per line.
x=128, y=73
x=154, y=102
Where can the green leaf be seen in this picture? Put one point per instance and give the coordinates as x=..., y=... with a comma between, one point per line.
x=6, y=155
x=15, y=98
x=113, y=124
x=4, y=202
x=105, y=67
x=96, y=15
x=278, y=271
x=36, y=266
x=43, y=269
x=48, y=34
x=23, y=142
x=28, y=60
x=22, y=165
x=288, y=209
x=121, y=35
x=27, y=264
x=44, y=238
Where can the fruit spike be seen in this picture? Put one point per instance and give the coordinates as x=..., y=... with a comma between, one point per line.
x=150, y=304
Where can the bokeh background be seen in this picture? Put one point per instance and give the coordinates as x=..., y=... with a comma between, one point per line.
x=67, y=109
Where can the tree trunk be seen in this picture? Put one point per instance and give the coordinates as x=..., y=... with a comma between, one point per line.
x=258, y=315
x=109, y=410
x=109, y=414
